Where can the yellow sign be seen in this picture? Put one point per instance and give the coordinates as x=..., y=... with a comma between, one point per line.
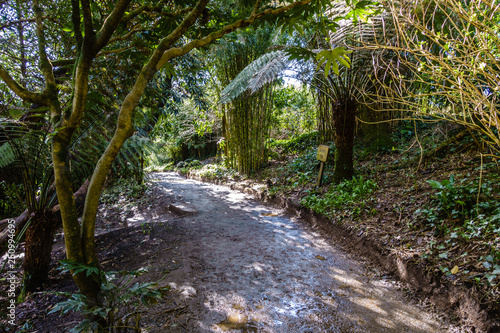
x=323, y=153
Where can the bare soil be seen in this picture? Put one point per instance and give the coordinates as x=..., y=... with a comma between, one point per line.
x=236, y=265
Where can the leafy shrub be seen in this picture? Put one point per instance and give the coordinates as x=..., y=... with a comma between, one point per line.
x=350, y=194
x=194, y=164
x=123, y=189
x=459, y=201
x=405, y=129
x=123, y=300
x=217, y=171
x=297, y=144
x=304, y=163
x=181, y=164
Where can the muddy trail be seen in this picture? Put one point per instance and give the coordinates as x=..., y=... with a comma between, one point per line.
x=246, y=267
x=236, y=265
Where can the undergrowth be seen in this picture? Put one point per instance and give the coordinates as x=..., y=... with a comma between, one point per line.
x=124, y=195
x=465, y=214
x=122, y=190
x=295, y=145
x=345, y=199
x=11, y=200
x=123, y=299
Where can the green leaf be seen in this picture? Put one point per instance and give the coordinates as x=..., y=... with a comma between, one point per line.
x=490, y=277
x=299, y=53
x=169, y=69
x=435, y=184
x=7, y=155
x=329, y=59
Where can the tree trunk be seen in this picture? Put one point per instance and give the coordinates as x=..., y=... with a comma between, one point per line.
x=88, y=286
x=38, y=247
x=344, y=121
x=21, y=220
x=225, y=132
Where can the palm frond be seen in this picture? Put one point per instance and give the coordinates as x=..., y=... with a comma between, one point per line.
x=269, y=72
x=130, y=160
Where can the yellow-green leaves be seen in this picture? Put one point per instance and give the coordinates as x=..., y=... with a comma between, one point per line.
x=362, y=10
x=331, y=58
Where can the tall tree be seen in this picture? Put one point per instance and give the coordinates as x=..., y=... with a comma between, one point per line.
x=340, y=90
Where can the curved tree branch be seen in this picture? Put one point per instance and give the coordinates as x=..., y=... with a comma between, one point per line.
x=198, y=43
x=87, y=23
x=23, y=93
x=75, y=19
x=63, y=62
x=110, y=24
x=45, y=65
x=150, y=9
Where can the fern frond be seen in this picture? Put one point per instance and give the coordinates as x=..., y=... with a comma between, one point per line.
x=7, y=155
x=269, y=72
x=258, y=73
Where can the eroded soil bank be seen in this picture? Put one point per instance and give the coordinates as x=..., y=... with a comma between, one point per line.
x=236, y=265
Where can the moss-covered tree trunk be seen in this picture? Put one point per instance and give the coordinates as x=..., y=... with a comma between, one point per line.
x=344, y=122
x=89, y=287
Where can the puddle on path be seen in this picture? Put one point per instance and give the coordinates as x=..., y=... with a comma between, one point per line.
x=238, y=322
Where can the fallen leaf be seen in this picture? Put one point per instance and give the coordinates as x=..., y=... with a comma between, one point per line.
x=454, y=270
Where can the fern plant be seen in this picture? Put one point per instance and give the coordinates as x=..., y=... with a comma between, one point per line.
x=123, y=304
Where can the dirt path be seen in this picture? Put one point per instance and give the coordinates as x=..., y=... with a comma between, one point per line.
x=245, y=267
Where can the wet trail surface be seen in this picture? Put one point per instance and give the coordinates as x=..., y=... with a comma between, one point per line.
x=246, y=267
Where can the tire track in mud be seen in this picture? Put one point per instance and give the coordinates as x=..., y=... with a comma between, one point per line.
x=247, y=267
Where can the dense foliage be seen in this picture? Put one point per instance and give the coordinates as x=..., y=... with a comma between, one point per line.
x=395, y=89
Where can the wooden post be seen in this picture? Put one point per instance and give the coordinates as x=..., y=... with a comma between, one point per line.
x=320, y=176
x=322, y=156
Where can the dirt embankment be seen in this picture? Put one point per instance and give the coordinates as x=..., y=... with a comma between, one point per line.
x=455, y=300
